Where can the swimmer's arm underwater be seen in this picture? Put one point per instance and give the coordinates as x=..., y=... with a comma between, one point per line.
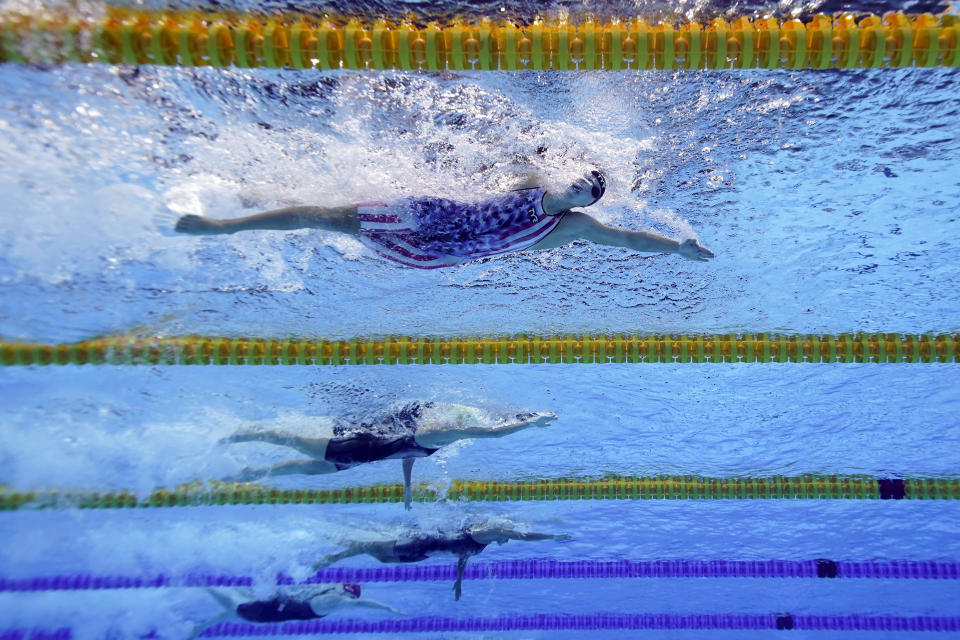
x=372, y=604
x=328, y=602
x=534, y=536
x=441, y=435
x=576, y=225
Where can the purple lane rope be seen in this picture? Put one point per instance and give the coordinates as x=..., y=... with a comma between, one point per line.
x=555, y=622
x=527, y=569
x=597, y=621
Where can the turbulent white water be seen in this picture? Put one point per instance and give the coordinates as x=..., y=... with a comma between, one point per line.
x=829, y=199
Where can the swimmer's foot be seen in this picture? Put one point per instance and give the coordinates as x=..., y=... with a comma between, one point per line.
x=199, y=226
x=242, y=436
x=328, y=560
x=247, y=474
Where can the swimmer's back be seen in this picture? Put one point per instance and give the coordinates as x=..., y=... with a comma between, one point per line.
x=279, y=609
x=423, y=546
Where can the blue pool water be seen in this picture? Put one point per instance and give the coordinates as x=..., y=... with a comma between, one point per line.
x=831, y=200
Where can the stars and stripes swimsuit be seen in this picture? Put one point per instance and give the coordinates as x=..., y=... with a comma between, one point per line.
x=429, y=233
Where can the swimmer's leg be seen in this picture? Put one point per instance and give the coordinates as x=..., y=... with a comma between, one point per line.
x=294, y=467
x=229, y=605
x=200, y=628
x=407, y=475
x=382, y=550
x=306, y=467
x=339, y=219
x=225, y=600
x=313, y=447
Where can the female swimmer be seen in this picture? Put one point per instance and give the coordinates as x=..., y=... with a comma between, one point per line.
x=416, y=546
x=413, y=431
x=429, y=233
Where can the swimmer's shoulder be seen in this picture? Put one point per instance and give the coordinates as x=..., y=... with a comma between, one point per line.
x=529, y=180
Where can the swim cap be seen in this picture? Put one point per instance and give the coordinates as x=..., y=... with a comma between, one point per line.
x=352, y=588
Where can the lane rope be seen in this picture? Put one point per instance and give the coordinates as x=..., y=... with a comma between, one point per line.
x=526, y=569
x=214, y=493
x=520, y=349
x=559, y=622
x=192, y=38
x=598, y=621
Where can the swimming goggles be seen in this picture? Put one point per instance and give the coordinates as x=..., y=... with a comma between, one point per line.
x=598, y=191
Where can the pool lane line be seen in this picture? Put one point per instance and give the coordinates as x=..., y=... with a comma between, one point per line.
x=556, y=622
x=194, y=38
x=36, y=633
x=598, y=621
x=518, y=349
x=526, y=569
x=214, y=493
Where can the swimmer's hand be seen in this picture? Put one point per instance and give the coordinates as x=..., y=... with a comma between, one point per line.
x=537, y=418
x=198, y=225
x=691, y=249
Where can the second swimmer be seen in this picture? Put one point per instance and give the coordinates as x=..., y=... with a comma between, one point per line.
x=415, y=546
x=416, y=430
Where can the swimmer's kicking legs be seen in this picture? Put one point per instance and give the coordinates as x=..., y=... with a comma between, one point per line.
x=339, y=219
x=316, y=448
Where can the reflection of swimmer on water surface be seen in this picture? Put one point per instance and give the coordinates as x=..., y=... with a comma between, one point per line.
x=413, y=431
x=416, y=546
x=429, y=233
x=301, y=602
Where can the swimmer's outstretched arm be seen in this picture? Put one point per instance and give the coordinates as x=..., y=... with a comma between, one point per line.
x=435, y=436
x=520, y=422
x=493, y=534
x=371, y=604
x=340, y=219
x=329, y=602
x=532, y=536
x=577, y=225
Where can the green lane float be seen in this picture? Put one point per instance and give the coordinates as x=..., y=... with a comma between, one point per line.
x=245, y=40
x=215, y=493
x=569, y=349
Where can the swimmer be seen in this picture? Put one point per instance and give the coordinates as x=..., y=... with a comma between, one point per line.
x=302, y=602
x=429, y=233
x=414, y=431
x=416, y=546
